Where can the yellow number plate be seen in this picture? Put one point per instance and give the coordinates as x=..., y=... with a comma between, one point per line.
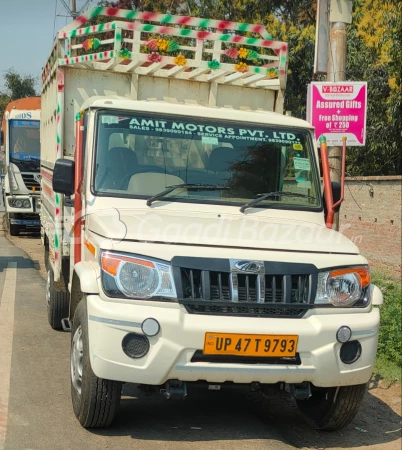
x=268, y=345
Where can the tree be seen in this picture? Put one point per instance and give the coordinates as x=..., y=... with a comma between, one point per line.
x=374, y=55
x=164, y=6
x=17, y=86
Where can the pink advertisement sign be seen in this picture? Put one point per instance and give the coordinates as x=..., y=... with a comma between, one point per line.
x=337, y=110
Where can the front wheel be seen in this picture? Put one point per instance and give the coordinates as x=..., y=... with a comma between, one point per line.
x=332, y=408
x=95, y=401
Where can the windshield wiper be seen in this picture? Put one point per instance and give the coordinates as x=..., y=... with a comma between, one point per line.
x=262, y=197
x=169, y=189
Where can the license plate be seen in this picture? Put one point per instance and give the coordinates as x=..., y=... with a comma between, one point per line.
x=268, y=345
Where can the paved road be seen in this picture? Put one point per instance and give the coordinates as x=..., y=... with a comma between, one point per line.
x=36, y=413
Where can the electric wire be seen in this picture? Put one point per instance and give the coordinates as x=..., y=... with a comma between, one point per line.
x=54, y=21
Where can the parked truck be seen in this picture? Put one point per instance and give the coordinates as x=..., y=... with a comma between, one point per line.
x=20, y=137
x=187, y=235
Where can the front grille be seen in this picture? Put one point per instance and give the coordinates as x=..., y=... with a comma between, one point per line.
x=195, y=284
x=229, y=359
x=231, y=291
x=242, y=310
x=30, y=182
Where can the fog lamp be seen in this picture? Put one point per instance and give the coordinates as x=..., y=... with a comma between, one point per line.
x=343, y=334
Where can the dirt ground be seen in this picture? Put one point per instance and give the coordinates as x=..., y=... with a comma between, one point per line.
x=377, y=425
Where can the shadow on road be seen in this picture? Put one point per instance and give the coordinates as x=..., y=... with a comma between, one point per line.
x=22, y=263
x=216, y=416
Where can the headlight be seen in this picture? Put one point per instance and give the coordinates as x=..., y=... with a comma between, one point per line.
x=26, y=204
x=343, y=287
x=136, y=277
x=18, y=203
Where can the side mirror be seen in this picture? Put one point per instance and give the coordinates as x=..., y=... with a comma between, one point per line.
x=63, y=177
x=336, y=195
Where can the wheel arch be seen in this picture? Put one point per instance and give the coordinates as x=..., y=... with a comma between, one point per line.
x=84, y=281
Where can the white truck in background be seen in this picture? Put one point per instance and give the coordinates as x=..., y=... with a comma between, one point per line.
x=20, y=137
x=187, y=234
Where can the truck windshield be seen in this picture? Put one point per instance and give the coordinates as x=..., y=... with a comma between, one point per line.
x=140, y=156
x=24, y=140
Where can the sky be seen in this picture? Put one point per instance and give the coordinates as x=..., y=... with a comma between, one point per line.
x=28, y=28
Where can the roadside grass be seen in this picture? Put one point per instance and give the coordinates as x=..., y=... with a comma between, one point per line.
x=387, y=371
x=389, y=356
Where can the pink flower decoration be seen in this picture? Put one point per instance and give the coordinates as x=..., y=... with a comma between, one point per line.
x=232, y=53
x=152, y=45
x=154, y=57
x=87, y=44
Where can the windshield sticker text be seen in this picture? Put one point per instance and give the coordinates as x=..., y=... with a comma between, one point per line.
x=301, y=163
x=217, y=132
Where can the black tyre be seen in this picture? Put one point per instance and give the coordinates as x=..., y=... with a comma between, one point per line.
x=14, y=230
x=57, y=299
x=47, y=263
x=95, y=401
x=332, y=408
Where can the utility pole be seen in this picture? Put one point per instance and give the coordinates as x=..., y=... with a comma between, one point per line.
x=72, y=12
x=336, y=71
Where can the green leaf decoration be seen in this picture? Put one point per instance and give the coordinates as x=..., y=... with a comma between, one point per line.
x=272, y=72
x=252, y=54
x=214, y=64
x=125, y=53
x=172, y=46
x=96, y=43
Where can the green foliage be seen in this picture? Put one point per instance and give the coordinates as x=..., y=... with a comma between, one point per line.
x=4, y=101
x=390, y=340
x=387, y=370
x=17, y=86
x=172, y=6
x=374, y=54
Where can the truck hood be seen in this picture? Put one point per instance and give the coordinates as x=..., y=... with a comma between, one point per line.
x=252, y=231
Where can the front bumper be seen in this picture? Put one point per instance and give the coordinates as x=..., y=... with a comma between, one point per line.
x=182, y=334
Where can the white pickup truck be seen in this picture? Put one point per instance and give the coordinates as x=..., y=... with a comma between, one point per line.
x=187, y=233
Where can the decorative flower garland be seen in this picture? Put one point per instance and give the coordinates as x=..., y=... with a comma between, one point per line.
x=155, y=46
x=242, y=54
x=91, y=44
x=162, y=45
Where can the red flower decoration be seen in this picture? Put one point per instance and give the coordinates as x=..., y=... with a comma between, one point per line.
x=154, y=57
x=232, y=53
x=152, y=44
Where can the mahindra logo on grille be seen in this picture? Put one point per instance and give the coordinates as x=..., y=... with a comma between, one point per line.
x=37, y=177
x=249, y=266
